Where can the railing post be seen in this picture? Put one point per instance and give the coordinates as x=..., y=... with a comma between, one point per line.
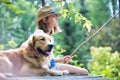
x=43, y=3
x=119, y=11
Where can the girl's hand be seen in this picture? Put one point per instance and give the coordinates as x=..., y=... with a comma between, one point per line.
x=67, y=59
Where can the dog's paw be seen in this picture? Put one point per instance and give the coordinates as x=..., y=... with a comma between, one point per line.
x=59, y=73
x=65, y=72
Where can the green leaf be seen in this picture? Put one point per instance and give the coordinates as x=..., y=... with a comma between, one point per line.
x=1, y=47
x=12, y=43
x=88, y=25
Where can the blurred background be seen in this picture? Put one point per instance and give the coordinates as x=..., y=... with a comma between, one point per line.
x=80, y=19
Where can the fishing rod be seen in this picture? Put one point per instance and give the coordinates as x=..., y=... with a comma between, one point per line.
x=93, y=35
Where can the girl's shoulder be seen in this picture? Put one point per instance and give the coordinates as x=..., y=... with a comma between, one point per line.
x=39, y=31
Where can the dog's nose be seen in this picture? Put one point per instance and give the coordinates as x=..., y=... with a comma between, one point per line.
x=50, y=46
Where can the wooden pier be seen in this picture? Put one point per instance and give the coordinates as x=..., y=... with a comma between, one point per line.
x=64, y=77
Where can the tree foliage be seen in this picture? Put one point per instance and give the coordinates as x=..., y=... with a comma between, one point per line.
x=14, y=23
x=109, y=36
x=105, y=63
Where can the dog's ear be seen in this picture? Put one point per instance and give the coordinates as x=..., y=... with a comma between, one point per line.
x=31, y=41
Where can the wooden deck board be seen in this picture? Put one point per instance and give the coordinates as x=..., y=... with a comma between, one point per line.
x=65, y=77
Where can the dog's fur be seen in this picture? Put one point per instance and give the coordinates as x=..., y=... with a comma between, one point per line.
x=18, y=61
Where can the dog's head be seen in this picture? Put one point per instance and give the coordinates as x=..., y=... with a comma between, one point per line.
x=42, y=43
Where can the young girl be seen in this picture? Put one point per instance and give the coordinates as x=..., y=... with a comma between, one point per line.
x=47, y=22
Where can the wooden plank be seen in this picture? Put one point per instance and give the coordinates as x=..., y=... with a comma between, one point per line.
x=64, y=77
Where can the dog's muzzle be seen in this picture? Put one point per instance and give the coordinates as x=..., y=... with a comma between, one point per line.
x=47, y=52
x=50, y=46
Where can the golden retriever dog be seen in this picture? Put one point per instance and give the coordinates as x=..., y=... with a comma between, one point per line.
x=19, y=63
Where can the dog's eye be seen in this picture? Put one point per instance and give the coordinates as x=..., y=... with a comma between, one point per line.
x=42, y=39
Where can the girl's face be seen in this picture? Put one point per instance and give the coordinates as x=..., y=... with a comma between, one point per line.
x=52, y=24
x=52, y=21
